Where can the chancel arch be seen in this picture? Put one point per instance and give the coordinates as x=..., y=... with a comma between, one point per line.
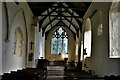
x=70, y=50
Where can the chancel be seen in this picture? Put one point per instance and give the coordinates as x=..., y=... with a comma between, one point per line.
x=59, y=40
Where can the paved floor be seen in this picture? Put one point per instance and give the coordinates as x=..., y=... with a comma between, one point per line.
x=55, y=73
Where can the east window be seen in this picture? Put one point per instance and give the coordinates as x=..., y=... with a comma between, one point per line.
x=59, y=41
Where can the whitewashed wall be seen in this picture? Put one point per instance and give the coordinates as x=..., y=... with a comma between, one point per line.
x=100, y=61
x=0, y=38
x=18, y=16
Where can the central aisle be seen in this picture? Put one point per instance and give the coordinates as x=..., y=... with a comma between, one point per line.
x=55, y=73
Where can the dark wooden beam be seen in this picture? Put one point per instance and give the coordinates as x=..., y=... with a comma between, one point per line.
x=78, y=21
x=50, y=23
x=40, y=23
x=77, y=30
x=46, y=33
x=44, y=27
x=93, y=13
x=42, y=20
x=71, y=19
x=71, y=23
x=63, y=24
x=70, y=30
x=73, y=8
x=49, y=17
x=61, y=16
x=7, y=22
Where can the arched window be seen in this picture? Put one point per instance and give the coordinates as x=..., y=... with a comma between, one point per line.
x=59, y=42
x=86, y=43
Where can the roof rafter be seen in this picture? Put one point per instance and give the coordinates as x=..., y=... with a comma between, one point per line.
x=43, y=28
x=49, y=18
x=63, y=24
x=78, y=21
x=42, y=20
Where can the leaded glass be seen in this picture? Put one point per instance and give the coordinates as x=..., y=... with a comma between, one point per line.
x=59, y=42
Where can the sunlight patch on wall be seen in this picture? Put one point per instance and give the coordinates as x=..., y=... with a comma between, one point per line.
x=18, y=42
x=76, y=47
x=99, y=30
x=87, y=38
x=114, y=28
x=81, y=50
x=87, y=43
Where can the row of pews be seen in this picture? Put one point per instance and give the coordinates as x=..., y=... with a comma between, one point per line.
x=76, y=74
x=39, y=73
x=71, y=72
x=26, y=74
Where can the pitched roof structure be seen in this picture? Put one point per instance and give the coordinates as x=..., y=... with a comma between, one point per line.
x=51, y=14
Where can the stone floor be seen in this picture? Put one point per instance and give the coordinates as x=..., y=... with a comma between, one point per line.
x=55, y=73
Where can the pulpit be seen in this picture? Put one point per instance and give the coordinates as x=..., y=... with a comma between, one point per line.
x=42, y=63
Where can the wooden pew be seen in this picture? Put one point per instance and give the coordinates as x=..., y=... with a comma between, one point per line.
x=26, y=74
x=76, y=74
x=112, y=77
x=18, y=77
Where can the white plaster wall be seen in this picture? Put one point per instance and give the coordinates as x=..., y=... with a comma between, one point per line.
x=37, y=43
x=118, y=66
x=0, y=38
x=14, y=62
x=100, y=61
x=71, y=47
x=30, y=32
x=16, y=19
x=31, y=37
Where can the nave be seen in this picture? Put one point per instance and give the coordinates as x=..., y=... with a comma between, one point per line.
x=54, y=72
x=80, y=38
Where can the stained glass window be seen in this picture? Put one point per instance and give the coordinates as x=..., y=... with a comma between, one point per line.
x=59, y=42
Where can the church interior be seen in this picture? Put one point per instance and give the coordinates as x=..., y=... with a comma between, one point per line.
x=59, y=40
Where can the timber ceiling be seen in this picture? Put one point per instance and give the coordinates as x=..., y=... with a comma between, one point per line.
x=51, y=14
